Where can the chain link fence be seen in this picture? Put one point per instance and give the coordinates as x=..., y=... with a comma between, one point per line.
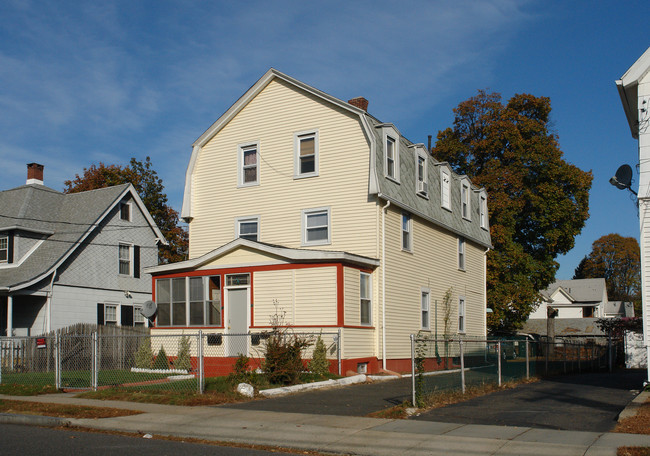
x=179, y=362
x=455, y=364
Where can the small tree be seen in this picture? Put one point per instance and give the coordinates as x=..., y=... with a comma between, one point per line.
x=183, y=360
x=319, y=364
x=161, y=362
x=283, y=360
x=144, y=355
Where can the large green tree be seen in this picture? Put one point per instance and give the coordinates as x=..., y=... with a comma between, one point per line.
x=537, y=201
x=617, y=259
x=150, y=189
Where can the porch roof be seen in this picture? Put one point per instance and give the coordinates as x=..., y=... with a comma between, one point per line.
x=287, y=254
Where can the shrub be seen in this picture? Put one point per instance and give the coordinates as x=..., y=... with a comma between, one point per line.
x=241, y=371
x=144, y=355
x=161, y=361
x=183, y=359
x=282, y=359
x=319, y=364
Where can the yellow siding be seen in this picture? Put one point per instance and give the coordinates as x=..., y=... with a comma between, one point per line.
x=271, y=288
x=315, y=296
x=352, y=313
x=358, y=343
x=272, y=118
x=243, y=256
x=432, y=264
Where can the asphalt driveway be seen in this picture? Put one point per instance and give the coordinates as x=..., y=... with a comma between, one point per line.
x=580, y=402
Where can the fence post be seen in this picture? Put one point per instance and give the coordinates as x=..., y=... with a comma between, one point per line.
x=499, y=361
x=57, y=360
x=2, y=346
x=413, y=402
x=199, y=355
x=338, y=350
x=462, y=365
x=95, y=361
x=579, y=350
x=12, y=355
x=609, y=352
x=527, y=360
x=564, y=364
x=546, y=349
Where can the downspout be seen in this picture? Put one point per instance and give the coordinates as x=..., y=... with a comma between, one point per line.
x=485, y=290
x=48, y=326
x=383, y=284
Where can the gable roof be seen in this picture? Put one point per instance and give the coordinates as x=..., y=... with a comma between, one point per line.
x=579, y=290
x=403, y=195
x=628, y=90
x=282, y=253
x=65, y=220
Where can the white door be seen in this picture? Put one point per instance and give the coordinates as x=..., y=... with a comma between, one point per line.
x=237, y=321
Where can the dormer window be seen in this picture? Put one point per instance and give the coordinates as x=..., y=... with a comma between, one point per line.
x=4, y=249
x=483, y=217
x=421, y=182
x=445, y=185
x=391, y=152
x=464, y=199
x=390, y=157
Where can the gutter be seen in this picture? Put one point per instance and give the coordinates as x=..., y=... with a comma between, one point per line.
x=50, y=294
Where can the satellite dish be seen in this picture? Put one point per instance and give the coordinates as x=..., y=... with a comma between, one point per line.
x=148, y=309
x=623, y=177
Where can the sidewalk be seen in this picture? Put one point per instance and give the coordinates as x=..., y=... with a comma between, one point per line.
x=335, y=434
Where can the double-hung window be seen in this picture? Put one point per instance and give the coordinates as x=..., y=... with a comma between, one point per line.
x=421, y=183
x=125, y=267
x=248, y=164
x=464, y=199
x=306, y=150
x=461, y=315
x=461, y=253
x=483, y=212
x=247, y=228
x=445, y=197
x=110, y=314
x=4, y=249
x=390, y=158
x=316, y=228
x=138, y=318
x=424, y=306
x=365, y=295
x=125, y=212
x=407, y=232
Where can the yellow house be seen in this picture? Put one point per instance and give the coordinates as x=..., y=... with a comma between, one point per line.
x=301, y=203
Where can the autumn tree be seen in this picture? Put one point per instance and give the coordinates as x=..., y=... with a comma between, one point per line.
x=150, y=188
x=537, y=202
x=617, y=259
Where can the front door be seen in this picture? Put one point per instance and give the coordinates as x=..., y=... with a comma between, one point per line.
x=237, y=321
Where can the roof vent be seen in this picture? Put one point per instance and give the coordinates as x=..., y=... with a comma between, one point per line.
x=360, y=103
x=34, y=174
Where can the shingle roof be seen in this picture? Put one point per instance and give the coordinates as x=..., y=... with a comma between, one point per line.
x=65, y=218
x=581, y=290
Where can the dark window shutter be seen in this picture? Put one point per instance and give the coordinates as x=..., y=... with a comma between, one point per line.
x=127, y=315
x=136, y=261
x=10, y=248
x=100, y=314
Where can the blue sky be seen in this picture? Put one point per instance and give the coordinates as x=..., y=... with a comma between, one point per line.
x=89, y=82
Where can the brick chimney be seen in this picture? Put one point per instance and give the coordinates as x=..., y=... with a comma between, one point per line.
x=360, y=103
x=34, y=174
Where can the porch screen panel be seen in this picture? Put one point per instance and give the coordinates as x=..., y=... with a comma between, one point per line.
x=214, y=302
x=163, y=301
x=178, y=302
x=196, y=301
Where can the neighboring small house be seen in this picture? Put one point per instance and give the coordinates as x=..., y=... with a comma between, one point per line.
x=579, y=298
x=73, y=258
x=301, y=203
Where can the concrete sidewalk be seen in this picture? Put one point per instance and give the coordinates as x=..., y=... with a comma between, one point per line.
x=336, y=434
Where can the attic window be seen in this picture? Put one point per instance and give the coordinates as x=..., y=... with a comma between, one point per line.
x=306, y=147
x=444, y=189
x=125, y=212
x=4, y=249
x=248, y=165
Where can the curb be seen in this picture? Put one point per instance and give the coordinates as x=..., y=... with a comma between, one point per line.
x=34, y=420
x=631, y=409
x=311, y=386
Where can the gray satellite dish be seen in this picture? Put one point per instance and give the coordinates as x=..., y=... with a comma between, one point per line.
x=148, y=309
x=623, y=177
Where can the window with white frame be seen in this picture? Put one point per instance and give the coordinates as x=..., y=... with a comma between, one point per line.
x=391, y=160
x=407, y=229
x=464, y=199
x=365, y=294
x=125, y=212
x=421, y=182
x=193, y=301
x=125, y=267
x=4, y=249
x=248, y=228
x=461, y=314
x=248, y=164
x=445, y=181
x=138, y=318
x=424, y=306
x=461, y=253
x=316, y=226
x=483, y=211
x=306, y=147
x=110, y=314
